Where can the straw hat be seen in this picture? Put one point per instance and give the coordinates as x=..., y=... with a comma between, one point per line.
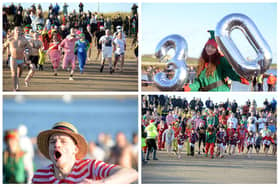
x=68, y=129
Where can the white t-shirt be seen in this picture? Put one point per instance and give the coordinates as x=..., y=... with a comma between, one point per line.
x=261, y=122
x=106, y=42
x=120, y=43
x=232, y=122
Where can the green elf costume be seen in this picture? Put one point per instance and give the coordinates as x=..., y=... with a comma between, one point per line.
x=222, y=74
x=13, y=164
x=212, y=118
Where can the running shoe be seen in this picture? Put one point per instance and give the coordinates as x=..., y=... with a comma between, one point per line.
x=101, y=68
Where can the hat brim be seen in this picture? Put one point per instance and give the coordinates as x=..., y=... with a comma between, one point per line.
x=43, y=142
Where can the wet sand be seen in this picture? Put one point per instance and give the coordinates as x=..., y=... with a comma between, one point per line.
x=204, y=170
x=91, y=80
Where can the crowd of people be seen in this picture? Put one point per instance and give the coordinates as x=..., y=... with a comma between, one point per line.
x=198, y=127
x=20, y=152
x=31, y=35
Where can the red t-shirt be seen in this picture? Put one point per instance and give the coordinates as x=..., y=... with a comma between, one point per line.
x=83, y=169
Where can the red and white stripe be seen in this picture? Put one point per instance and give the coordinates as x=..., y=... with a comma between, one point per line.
x=90, y=169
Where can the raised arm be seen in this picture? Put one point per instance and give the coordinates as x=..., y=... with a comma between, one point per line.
x=120, y=175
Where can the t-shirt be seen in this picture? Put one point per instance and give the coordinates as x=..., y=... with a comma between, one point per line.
x=119, y=46
x=83, y=169
x=181, y=139
x=106, y=41
x=221, y=137
x=232, y=122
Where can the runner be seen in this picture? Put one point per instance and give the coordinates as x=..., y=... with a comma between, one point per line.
x=68, y=44
x=81, y=48
x=107, y=48
x=36, y=44
x=119, y=49
x=54, y=52
x=17, y=45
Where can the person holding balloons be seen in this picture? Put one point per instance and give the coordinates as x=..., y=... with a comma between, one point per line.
x=213, y=70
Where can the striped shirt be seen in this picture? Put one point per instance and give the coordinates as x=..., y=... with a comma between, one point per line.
x=83, y=169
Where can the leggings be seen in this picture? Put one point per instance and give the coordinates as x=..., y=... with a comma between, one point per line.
x=202, y=138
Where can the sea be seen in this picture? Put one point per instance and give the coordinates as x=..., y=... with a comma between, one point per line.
x=91, y=116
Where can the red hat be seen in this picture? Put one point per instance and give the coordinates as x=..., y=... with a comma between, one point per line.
x=152, y=121
x=11, y=134
x=212, y=40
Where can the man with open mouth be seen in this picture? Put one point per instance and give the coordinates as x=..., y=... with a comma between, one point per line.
x=66, y=148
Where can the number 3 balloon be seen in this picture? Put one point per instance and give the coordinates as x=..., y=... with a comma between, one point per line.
x=242, y=66
x=177, y=63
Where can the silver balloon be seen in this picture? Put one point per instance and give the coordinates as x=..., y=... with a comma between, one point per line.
x=177, y=63
x=242, y=66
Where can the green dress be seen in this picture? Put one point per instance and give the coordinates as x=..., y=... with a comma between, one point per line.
x=13, y=169
x=222, y=71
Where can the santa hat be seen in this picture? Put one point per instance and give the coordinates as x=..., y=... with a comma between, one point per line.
x=212, y=40
x=152, y=121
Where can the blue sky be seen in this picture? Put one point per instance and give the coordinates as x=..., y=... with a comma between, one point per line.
x=192, y=20
x=240, y=98
x=92, y=6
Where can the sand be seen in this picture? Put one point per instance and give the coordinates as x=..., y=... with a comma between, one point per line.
x=90, y=80
x=203, y=170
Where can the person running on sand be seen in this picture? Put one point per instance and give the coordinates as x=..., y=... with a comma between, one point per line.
x=66, y=149
x=168, y=135
x=44, y=37
x=193, y=138
x=36, y=44
x=119, y=49
x=250, y=143
x=258, y=143
x=210, y=140
x=221, y=141
x=68, y=44
x=81, y=48
x=17, y=46
x=201, y=136
x=267, y=140
x=235, y=140
x=107, y=49
x=180, y=141
x=54, y=52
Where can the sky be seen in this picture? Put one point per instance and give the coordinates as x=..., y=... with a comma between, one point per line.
x=240, y=98
x=92, y=6
x=192, y=20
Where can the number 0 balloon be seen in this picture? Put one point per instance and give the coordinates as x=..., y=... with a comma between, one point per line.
x=242, y=66
x=177, y=63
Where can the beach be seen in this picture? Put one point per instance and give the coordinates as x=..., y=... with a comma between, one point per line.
x=91, y=80
x=204, y=170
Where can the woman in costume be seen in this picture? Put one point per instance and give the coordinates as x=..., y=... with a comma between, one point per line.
x=213, y=70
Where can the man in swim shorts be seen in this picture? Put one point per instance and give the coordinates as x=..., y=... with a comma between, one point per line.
x=17, y=46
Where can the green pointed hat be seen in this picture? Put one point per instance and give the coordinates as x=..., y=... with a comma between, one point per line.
x=212, y=40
